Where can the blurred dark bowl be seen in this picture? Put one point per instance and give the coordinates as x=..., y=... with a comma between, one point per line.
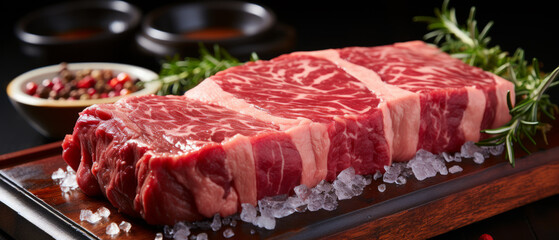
x=79, y=31
x=178, y=29
x=56, y=118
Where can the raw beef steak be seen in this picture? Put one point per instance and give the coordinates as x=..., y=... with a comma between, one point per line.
x=166, y=158
x=264, y=127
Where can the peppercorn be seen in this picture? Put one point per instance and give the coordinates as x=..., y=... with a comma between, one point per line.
x=83, y=84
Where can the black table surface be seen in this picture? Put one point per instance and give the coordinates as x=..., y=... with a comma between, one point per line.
x=320, y=25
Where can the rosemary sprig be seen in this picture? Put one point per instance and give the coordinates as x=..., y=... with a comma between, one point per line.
x=472, y=46
x=525, y=119
x=179, y=75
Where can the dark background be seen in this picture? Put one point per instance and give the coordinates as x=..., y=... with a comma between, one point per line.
x=531, y=25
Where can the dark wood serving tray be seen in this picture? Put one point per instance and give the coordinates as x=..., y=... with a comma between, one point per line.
x=32, y=206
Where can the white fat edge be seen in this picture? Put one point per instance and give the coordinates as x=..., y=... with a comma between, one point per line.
x=210, y=92
x=300, y=136
x=299, y=129
x=240, y=162
x=388, y=130
x=312, y=142
x=402, y=136
x=473, y=115
x=502, y=115
x=369, y=78
x=420, y=46
x=405, y=118
x=321, y=145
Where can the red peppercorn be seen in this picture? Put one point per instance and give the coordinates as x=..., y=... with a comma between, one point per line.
x=91, y=91
x=56, y=80
x=123, y=77
x=31, y=88
x=56, y=87
x=124, y=91
x=86, y=82
x=120, y=79
x=47, y=83
x=113, y=82
x=118, y=87
x=113, y=94
x=485, y=236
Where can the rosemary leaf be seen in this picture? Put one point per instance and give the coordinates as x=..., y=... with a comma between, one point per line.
x=467, y=43
x=179, y=75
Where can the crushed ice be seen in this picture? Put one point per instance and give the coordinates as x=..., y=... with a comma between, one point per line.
x=381, y=187
x=125, y=226
x=325, y=195
x=103, y=212
x=112, y=230
x=202, y=236
x=228, y=233
x=426, y=164
x=348, y=184
x=158, y=236
x=455, y=169
x=66, y=179
x=183, y=230
x=58, y=174
x=89, y=216
x=216, y=223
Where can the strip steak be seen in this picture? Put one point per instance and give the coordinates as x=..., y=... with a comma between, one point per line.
x=262, y=128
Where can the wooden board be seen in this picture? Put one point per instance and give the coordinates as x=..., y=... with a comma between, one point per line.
x=32, y=205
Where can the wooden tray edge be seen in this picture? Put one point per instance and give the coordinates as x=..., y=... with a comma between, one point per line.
x=533, y=179
x=30, y=154
x=32, y=218
x=429, y=199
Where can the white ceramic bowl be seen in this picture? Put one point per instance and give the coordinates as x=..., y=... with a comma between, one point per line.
x=56, y=118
